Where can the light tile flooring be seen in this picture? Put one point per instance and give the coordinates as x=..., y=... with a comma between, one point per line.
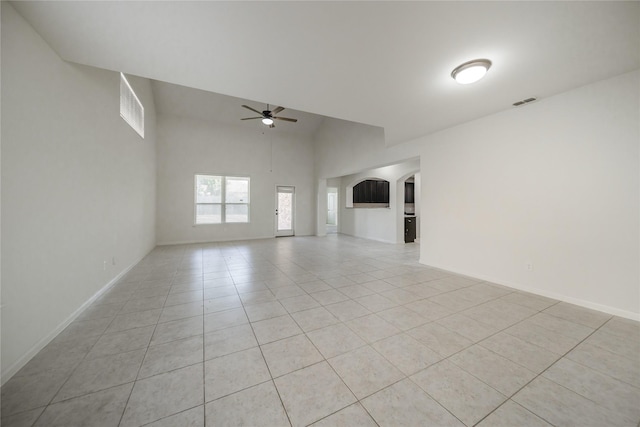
x=332, y=331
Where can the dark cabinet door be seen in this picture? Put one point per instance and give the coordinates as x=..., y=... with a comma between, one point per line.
x=385, y=192
x=369, y=189
x=358, y=193
x=409, y=192
x=409, y=230
x=380, y=192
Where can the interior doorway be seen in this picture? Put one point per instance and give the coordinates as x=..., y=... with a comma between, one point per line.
x=285, y=211
x=411, y=207
x=332, y=210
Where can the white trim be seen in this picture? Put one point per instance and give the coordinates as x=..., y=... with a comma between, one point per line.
x=371, y=238
x=560, y=297
x=26, y=357
x=222, y=240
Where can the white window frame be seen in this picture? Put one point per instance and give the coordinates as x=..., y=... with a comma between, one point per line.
x=223, y=202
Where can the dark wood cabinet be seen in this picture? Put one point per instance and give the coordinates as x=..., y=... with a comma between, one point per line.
x=358, y=193
x=409, y=229
x=371, y=191
x=409, y=192
x=383, y=192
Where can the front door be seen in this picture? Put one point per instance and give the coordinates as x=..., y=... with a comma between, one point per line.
x=285, y=211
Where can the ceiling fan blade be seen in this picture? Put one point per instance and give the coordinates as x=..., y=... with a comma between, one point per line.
x=272, y=125
x=277, y=110
x=255, y=111
x=251, y=118
x=285, y=119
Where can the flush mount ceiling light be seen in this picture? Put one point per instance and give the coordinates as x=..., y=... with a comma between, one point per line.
x=471, y=72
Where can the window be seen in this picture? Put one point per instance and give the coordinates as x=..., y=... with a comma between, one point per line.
x=221, y=199
x=131, y=109
x=208, y=199
x=236, y=199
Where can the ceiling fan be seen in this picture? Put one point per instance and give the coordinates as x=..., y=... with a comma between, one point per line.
x=268, y=116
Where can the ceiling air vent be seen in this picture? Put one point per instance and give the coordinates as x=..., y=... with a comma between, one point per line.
x=524, y=101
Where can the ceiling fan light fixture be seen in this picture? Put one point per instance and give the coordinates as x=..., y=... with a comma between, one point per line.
x=471, y=71
x=267, y=116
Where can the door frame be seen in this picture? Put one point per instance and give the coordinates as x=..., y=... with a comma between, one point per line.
x=337, y=193
x=292, y=232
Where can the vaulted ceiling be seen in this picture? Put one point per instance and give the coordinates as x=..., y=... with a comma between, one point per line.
x=385, y=64
x=207, y=106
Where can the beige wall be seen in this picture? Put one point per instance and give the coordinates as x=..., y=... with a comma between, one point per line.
x=187, y=147
x=382, y=224
x=78, y=188
x=554, y=184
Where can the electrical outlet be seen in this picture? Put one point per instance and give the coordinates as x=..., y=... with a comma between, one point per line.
x=104, y=266
x=529, y=266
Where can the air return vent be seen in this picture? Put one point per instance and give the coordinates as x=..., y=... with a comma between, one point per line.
x=131, y=109
x=524, y=101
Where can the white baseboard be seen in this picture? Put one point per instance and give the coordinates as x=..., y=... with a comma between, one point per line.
x=371, y=238
x=560, y=297
x=22, y=361
x=223, y=240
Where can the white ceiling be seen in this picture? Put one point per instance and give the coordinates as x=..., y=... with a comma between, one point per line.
x=380, y=63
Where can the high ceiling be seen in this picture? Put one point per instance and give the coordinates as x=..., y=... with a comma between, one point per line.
x=212, y=107
x=386, y=64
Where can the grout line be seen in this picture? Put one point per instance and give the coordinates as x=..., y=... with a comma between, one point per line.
x=79, y=363
x=544, y=370
x=257, y=263
x=204, y=374
x=124, y=409
x=264, y=360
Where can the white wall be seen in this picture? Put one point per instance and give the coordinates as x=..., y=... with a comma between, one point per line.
x=417, y=196
x=344, y=148
x=187, y=147
x=78, y=188
x=555, y=184
x=382, y=224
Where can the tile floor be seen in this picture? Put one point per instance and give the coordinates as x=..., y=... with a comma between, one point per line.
x=332, y=331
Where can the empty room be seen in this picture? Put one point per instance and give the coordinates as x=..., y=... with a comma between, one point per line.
x=320, y=213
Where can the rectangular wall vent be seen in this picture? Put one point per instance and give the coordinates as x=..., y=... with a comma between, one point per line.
x=131, y=109
x=524, y=101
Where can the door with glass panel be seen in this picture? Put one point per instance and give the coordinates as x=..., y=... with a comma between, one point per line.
x=332, y=206
x=285, y=211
